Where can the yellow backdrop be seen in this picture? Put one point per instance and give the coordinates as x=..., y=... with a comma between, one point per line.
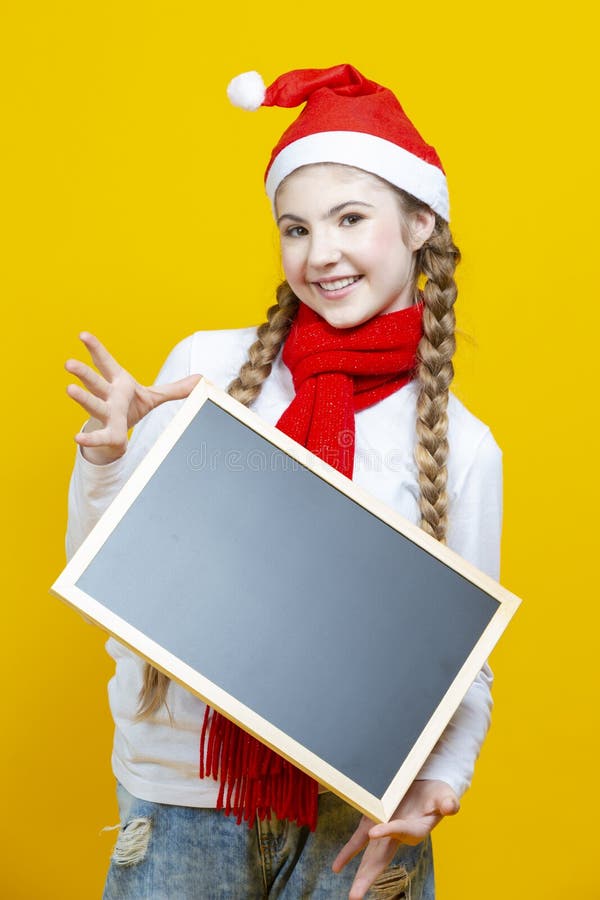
x=133, y=207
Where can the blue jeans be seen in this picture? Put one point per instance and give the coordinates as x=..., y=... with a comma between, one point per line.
x=168, y=852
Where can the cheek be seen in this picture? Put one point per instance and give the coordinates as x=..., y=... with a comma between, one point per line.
x=389, y=241
x=389, y=254
x=291, y=260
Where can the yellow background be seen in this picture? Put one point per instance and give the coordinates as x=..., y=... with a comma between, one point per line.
x=133, y=207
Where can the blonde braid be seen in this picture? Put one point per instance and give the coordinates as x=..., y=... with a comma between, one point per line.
x=245, y=387
x=269, y=338
x=437, y=260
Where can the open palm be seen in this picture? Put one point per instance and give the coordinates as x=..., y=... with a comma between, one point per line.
x=115, y=400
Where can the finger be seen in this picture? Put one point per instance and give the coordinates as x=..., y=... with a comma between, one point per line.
x=359, y=839
x=100, y=440
x=406, y=831
x=103, y=437
x=449, y=805
x=177, y=390
x=444, y=802
x=97, y=438
x=376, y=859
x=442, y=798
x=93, y=405
x=103, y=361
x=93, y=382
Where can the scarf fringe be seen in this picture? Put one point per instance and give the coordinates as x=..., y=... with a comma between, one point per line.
x=254, y=780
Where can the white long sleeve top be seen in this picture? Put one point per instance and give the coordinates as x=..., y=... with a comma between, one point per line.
x=157, y=759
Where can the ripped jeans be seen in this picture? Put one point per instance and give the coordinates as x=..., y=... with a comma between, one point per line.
x=168, y=852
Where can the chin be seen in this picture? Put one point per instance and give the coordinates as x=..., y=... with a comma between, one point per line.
x=344, y=320
x=343, y=324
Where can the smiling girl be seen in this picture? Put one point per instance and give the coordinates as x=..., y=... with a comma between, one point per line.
x=346, y=251
x=354, y=357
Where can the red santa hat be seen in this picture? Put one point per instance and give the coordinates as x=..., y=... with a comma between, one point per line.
x=350, y=120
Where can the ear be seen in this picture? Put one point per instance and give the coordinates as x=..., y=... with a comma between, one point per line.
x=421, y=228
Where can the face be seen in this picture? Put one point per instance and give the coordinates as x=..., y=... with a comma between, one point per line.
x=347, y=251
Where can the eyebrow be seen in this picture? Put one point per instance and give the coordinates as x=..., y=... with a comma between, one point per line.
x=331, y=212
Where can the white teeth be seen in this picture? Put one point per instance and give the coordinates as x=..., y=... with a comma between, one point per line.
x=339, y=284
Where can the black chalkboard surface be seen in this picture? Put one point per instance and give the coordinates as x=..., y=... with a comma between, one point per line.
x=340, y=634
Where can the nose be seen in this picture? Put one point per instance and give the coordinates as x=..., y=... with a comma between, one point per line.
x=324, y=249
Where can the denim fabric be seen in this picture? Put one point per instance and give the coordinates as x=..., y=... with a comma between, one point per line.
x=168, y=852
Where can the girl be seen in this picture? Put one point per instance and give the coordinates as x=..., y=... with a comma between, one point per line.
x=355, y=362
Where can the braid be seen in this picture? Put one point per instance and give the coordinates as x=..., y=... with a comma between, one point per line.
x=269, y=338
x=245, y=388
x=437, y=260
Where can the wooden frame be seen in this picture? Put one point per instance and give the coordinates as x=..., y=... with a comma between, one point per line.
x=439, y=559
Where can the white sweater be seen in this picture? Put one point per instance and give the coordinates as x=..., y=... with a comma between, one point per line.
x=157, y=759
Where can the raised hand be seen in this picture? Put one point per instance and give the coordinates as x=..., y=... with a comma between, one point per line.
x=422, y=807
x=115, y=400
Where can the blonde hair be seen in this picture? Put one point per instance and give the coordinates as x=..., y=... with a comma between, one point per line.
x=436, y=262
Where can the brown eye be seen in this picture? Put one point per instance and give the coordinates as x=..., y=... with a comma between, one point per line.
x=352, y=219
x=296, y=231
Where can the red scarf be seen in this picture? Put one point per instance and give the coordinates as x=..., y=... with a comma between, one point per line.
x=336, y=372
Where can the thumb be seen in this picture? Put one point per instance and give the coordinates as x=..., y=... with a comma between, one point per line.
x=177, y=390
x=447, y=802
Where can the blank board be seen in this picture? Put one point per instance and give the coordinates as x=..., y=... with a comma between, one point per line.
x=340, y=634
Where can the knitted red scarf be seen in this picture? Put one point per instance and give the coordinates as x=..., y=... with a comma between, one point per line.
x=336, y=372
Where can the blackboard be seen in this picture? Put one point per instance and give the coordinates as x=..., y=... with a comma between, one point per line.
x=340, y=634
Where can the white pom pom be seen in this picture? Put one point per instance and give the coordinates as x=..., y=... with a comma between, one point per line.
x=247, y=91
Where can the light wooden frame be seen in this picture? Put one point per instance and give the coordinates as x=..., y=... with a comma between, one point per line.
x=65, y=587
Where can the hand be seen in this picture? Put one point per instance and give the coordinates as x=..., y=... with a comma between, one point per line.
x=115, y=400
x=422, y=807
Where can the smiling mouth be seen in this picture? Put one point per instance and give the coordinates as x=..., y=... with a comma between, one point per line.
x=338, y=284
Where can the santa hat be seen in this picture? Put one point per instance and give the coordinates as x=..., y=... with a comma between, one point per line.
x=350, y=120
